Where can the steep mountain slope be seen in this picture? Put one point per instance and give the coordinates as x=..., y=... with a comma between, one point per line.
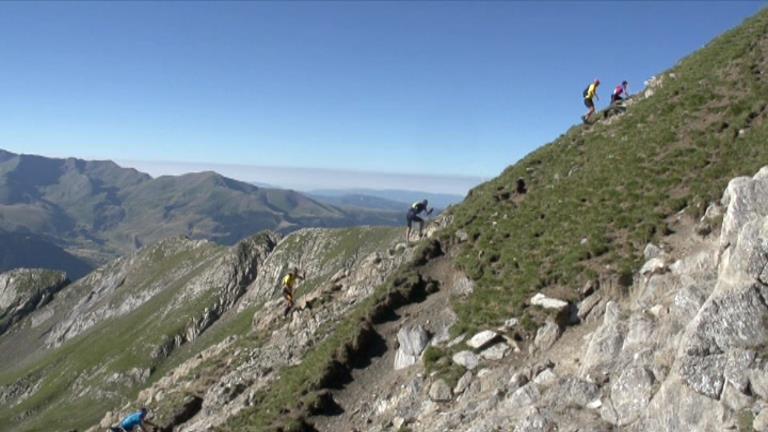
x=598, y=194
x=101, y=340
x=24, y=290
x=683, y=349
x=96, y=209
x=596, y=197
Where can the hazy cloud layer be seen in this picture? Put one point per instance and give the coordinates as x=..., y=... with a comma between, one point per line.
x=305, y=179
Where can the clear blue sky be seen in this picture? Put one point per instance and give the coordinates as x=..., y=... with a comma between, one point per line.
x=409, y=87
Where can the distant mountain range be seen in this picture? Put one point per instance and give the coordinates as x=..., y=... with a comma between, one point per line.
x=95, y=210
x=361, y=201
x=387, y=199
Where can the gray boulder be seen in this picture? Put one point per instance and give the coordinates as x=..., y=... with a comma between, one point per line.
x=463, y=383
x=760, y=423
x=482, y=339
x=439, y=391
x=496, y=352
x=606, y=343
x=23, y=291
x=652, y=251
x=524, y=396
x=630, y=395
x=548, y=303
x=547, y=335
x=412, y=342
x=467, y=359
x=587, y=305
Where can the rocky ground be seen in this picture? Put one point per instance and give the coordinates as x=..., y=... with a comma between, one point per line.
x=207, y=390
x=193, y=325
x=681, y=350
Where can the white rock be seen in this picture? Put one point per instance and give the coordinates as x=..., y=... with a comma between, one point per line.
x=547, y=303
x=760, y=423
x=511, y=323
x=657, y=311
x=595, y=404
x=587, y=305
x=403, y=360
x=439, y=391
x=545, y=378
x=524, y=396
x=652, y=251
x=547, y=335
x=496, y=352
x=467, y=359
x=463, y=383
x=412, y=342
x=652, y=266
x=457, y=340
x=482, y=339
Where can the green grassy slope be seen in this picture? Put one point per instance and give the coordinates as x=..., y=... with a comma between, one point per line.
x=75, y=377
x=614, y=183
x=286, y=404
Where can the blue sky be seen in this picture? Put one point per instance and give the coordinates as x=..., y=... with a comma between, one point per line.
x=435, y=88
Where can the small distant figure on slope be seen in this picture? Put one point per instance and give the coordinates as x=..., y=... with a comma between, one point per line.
x=520, y=187
x=413, y=216
x=590, y=95
x=289, y=285
x=135, y=421
x=619, y=95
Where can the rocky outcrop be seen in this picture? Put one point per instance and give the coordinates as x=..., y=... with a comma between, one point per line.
x=120, y=287
x=23, y=291
x=412, y=342
x=229, y=377
x=225, y=274
x=683, y=351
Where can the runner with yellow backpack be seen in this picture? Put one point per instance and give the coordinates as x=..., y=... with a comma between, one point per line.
x=590, y=95
x=289, y=285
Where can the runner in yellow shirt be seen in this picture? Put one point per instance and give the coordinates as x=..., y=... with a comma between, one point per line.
x=590, y=94
x=289, y=283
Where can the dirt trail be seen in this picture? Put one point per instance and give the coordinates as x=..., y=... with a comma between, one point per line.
x=376, y=380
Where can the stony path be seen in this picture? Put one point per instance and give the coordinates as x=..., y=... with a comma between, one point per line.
x=378, y=380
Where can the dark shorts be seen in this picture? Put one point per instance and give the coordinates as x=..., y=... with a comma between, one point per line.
x=288, y=294
x=588, y=103
x=411, y=218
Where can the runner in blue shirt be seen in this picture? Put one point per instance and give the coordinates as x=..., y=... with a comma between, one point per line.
x=133, y=421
